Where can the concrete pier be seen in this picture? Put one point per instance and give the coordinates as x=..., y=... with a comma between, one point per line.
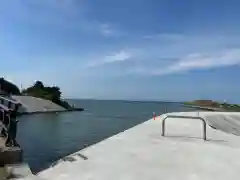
x=8, y=156
x=143, y=153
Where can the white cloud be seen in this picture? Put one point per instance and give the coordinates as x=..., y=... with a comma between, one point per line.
x=117, y=57
x=201, y=61
x=106, y=30
x=111, y=30
x=162, y=54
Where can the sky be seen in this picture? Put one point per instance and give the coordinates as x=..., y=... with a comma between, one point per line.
x=130, y=49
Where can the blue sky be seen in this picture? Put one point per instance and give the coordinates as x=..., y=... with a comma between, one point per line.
x=129, y=49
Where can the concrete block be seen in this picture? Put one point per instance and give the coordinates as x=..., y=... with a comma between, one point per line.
x=16, y=171
x=10, y=155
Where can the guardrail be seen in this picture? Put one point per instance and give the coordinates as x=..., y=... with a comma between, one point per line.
x=8, y=102
x=8, y=123
x=5, y=120
x=8, y=98
x=186, y=117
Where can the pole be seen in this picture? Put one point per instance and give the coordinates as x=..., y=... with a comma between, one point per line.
x=154, y=115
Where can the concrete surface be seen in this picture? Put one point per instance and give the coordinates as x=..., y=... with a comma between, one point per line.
x=142, y=153
x=19, y=172
x=228, y=122
x=10, y=155
x=33, y=104
x=2, y=142
x=3, y=174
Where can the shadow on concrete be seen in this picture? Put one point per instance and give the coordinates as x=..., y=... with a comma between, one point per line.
x=193, y=137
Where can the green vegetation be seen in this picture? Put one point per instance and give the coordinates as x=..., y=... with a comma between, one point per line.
x=214, y=104
x=7, y=87
x=45, y=92
x=52, y=93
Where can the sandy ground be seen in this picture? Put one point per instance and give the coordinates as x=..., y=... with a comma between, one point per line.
x=142, y=153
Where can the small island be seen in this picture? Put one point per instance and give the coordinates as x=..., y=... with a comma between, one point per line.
x=37, y=90
x=213, y=105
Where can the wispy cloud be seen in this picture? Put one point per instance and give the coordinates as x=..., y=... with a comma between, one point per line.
x=117, y=57
x=106, y=30
x=111, y=30
x=71, y=15
x=198, y=61
x=203, y=61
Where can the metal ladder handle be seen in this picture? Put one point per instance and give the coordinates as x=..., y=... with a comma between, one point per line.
x=3, y=120
x=9, y=120
x=186, y=117
x=3, y=115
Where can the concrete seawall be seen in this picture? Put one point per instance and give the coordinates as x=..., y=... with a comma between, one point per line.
x=33, y=105
x=142, y=153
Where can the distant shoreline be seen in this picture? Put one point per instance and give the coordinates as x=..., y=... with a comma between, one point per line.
x=212, y=106
x=203, y=107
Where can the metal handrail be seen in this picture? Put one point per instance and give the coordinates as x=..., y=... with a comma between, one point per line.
x=5, y=108
x=8, y=120
x=186, y=117
x=10, y=100
x=6, y=128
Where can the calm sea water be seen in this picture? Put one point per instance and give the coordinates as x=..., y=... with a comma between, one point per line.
x=47, y=138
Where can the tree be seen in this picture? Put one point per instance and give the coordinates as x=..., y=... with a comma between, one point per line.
x=7, y=87
x=39, y=85
x=46, y=92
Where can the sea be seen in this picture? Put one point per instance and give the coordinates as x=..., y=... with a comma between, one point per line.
x=46, y=138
